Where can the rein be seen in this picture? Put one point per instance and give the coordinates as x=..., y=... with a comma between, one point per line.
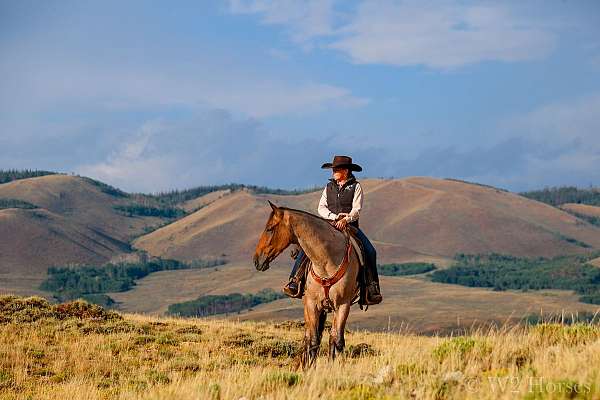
x=326, y=283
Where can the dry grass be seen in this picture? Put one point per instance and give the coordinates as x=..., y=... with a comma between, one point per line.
x=82, y=352
x=590, y=211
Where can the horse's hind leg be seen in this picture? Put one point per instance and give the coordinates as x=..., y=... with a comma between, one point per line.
x=338, y=326
x=312, y=332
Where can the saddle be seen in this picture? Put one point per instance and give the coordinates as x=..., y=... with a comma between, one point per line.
x=356, y=245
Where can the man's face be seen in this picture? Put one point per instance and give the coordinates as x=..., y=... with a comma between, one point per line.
x=340, y=174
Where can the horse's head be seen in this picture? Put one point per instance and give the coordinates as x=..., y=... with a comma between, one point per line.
x=274, y=239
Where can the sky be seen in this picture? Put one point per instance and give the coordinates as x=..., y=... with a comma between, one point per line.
x=153, y=96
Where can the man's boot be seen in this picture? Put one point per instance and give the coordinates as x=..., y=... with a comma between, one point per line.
x=294, y=286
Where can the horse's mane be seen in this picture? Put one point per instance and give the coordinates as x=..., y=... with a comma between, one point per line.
x=317, y=217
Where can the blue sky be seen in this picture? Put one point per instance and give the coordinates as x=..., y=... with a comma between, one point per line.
x=152, y=96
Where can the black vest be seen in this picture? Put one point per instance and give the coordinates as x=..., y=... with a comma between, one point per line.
x=339, y=200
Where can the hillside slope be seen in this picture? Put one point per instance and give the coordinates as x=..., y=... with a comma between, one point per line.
x=34, y=239
x=584, y=209
x=412, y=219
x=80, y=201
x=76, y=222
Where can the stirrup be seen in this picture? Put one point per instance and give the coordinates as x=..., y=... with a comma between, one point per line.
x=288, y=292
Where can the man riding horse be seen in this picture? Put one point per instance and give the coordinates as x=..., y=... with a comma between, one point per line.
x=341, y=202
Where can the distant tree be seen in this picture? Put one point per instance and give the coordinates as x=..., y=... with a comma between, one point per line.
x=135, y=210
x=405, y=269
x=72, y=282
x=175, y=197
x=16, y=203
x=502, y=272
x=222, y=304
x=8, y=175
x=556, y=196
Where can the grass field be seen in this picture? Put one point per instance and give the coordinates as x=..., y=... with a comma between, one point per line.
x=79, y=351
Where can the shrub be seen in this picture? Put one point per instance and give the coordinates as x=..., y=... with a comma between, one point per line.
x=360, y=350
x=71, y=282
x=460, y=346
x=31, y=309
x=503, y=272
x=277, y=348
x=138, y=210
x=282, y=378
x=16, y=203
x=99, y=299
x=405, y=269
x=222, y=304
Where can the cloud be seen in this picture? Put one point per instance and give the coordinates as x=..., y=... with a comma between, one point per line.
x=305, y=20
x=209, y=147
x=555, y=144
x=71, y=83
x=439, y=35
x=563, y=122
x=53, y=67
x=564, y=142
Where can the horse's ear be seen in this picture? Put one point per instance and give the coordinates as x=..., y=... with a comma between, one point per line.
x=273, y=206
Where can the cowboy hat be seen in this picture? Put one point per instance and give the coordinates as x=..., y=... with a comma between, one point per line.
x=342, y=162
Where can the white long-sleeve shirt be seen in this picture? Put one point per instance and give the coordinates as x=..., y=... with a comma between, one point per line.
x=357, y=202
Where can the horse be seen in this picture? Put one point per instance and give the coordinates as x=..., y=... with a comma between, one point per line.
x=325, y=246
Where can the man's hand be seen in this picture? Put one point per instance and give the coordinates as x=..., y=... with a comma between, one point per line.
x=340, y=216
x=341, y=224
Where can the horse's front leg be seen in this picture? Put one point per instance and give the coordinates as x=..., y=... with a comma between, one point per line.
x=338, y=326
x=312, y=331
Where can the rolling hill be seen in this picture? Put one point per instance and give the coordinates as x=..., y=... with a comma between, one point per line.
x=78, y=200
x=75, y=222
x=412, y=219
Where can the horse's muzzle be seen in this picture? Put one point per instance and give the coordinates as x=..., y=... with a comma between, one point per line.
x=261, y=262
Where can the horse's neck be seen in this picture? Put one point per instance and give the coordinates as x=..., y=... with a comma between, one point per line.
x=324, y=246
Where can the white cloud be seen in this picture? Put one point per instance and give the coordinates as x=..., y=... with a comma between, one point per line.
x=563, y=123
x=561, y=144
x=69, y=82
x=438, y=35
x=134, y=165
x=305, y=19
x=210, y=147
x=118, y=89
x=556, y=144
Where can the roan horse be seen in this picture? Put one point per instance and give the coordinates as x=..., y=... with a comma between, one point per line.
x=327, y=248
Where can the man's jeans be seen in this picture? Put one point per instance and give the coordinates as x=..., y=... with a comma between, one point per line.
x=371, y=254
